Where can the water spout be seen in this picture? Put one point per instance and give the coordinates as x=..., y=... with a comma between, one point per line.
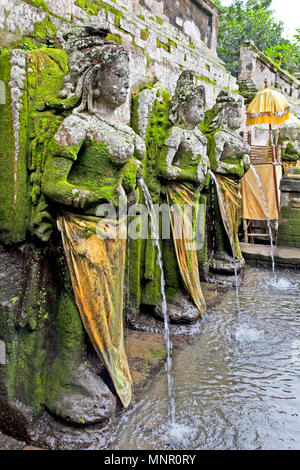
x=227, y=222
x=155, y=234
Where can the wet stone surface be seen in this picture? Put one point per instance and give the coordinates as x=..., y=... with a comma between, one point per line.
x=9, y=443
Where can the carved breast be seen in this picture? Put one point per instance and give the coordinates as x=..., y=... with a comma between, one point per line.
x=118, y=138
x=192, y=142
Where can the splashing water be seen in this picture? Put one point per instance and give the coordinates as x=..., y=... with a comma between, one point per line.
x=227, y=222
x=244, y=333
x=155, y=235
x=181, y=435
x=267, y=216
x=281, y=284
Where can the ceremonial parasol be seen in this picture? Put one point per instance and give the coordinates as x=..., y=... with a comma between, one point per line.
x=269, y=107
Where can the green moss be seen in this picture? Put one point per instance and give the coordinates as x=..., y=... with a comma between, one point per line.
x=41, y=4
x=94, y=6
x=202, y=254
x=136, y=45
x=157, y=132
x=47, y=68
x=159, y=20
x=141, y=17
x=162, y=45
x=172, y=43
x=116, y=38
x=44, y=29
x=191, y=45
x=289, y=224
x=25, y=373
x=144, y=34
x=70, y=329
x=171, y=272
x=14, y=201
x=209, y=130
x=203, y=78
x=234, y=166
x=289, y=153
x=26, y=44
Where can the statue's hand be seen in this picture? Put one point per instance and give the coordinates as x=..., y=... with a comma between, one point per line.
x=172, y=172
x=131, y=171
x=80, y=197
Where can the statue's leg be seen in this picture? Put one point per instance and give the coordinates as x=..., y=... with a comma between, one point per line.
x=76, y=394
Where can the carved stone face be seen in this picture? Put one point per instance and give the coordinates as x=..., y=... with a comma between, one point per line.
x=112, y=82
x=192, y=112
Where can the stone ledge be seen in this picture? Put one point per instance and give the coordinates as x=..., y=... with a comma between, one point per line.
x=285, y=257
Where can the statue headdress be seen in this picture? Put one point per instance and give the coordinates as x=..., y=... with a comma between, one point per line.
x=185, y=91
x=88, y=52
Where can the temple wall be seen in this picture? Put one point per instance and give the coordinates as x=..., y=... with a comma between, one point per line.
x=163, y=40
x=255, y=67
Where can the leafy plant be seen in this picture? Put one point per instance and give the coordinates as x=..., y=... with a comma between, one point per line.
x=253, y=19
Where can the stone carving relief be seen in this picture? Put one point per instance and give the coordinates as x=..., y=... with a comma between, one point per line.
x=186, y=141
x=231, y=149
x=102, y=72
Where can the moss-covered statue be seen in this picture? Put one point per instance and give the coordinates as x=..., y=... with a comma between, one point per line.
x=54, y=390
x=175, y=172
x=229, y=160
x=186, y=158
x=93, y=160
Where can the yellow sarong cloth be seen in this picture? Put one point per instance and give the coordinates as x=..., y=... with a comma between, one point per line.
x=187, y=259
x=253, y=206
x=96, y=268
x=230, y=205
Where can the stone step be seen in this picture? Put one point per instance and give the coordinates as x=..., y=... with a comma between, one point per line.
x=286, y=257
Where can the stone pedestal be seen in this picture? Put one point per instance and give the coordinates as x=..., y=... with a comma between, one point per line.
x=289, y=222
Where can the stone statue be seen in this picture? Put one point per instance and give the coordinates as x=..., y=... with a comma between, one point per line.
x=232, y=152
x=229, y=156
x=176, y=153
x=55, y=390
x=102, y=73
x=186, y=159
x=94, y=159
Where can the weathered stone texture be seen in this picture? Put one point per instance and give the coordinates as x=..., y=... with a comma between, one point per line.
x=161, y=43
x=255, y=67
x=289, y=222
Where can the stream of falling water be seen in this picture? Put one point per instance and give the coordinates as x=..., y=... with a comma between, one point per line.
x=155, y=234
x=267, y=216
x=230, y=239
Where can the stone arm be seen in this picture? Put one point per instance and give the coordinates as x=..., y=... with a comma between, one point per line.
x=232, y=157
x=62, y=153
x=220, y=141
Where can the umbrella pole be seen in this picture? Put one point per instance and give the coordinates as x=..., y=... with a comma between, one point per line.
x=274, y=168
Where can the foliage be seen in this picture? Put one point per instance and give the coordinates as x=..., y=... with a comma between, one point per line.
x=253, y=19
x=287, y=55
